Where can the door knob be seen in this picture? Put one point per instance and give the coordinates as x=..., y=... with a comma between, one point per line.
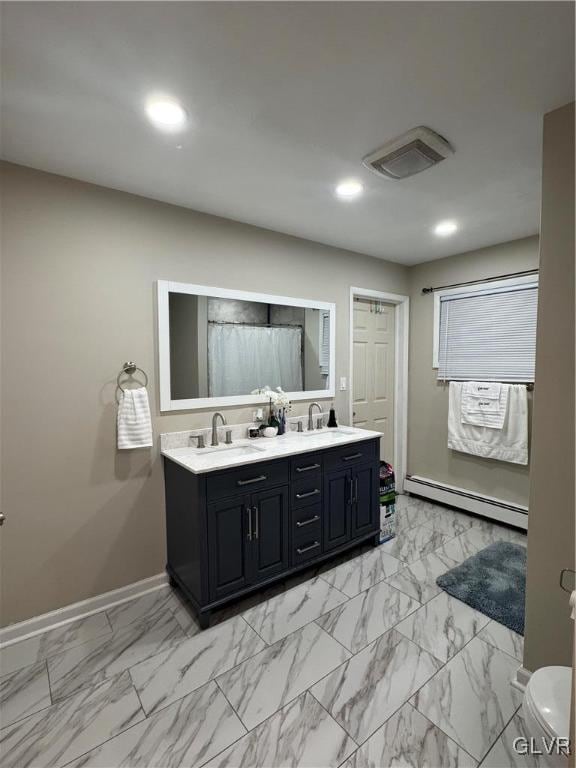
x=2, y=518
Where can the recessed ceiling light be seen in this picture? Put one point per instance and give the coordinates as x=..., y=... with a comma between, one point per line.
x=349, y=189
x=445, y=228
x=165, y=113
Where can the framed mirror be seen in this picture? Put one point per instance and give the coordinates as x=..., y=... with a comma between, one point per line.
x=218, y=347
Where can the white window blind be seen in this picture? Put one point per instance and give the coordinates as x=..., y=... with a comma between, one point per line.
x=324, y=345
x=488, y=334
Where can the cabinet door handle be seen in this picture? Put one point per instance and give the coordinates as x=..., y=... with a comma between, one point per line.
x=249, y=513
x=302, y=523
x=350, y=492
x=301, y=550
x=308, y=468
x=315, y=492
x=256, y=521
x=355, y=490
x=251, y=480
x=352, y=456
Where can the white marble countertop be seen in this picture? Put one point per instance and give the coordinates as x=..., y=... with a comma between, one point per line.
x=250, y=451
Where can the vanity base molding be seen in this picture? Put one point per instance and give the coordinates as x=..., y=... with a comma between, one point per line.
x=235, y=531
x=203, y=613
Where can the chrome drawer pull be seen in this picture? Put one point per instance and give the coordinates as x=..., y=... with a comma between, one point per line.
x=249, y=513
x=352, y=456
x=252, y=480
x=302, y=550
x=308, y=468
x=315, y=492
x=302, y=523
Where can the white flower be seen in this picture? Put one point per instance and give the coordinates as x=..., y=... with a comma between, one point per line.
x=278, y=397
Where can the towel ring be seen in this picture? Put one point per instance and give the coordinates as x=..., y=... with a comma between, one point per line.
x=563, y=574
x=130, y=369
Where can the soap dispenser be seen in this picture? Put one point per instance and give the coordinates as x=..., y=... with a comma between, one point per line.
x=332, y=417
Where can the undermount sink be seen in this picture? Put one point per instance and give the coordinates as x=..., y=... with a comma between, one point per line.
x=231, y=451
x=327, y=435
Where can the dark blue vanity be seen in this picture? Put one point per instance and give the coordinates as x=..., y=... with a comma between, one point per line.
x=233, y=531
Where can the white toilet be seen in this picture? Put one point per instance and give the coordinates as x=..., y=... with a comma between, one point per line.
x=546, y=710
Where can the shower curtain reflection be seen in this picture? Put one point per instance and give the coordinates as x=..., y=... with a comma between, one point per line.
x=242, y=358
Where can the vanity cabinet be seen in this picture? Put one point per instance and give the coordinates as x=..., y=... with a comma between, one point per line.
x=337, y=524
x=247, y=540
x=232, y=531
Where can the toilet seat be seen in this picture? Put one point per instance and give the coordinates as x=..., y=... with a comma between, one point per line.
x=547, y=698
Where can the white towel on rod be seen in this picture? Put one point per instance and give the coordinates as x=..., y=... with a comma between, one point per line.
x=484, y=404
x=134, y=421
x=488, y=389
x=507, y=444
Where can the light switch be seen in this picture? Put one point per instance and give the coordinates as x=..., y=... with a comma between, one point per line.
x=343, y=383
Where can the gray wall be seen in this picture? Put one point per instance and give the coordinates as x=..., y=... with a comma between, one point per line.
x=184, y=327
x=236, y=311
x=79, y=266
x=428, y=454
x=548, y=638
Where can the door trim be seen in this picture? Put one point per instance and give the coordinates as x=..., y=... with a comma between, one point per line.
x=402, y=318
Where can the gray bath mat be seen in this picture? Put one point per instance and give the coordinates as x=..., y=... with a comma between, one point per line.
x=493, y=582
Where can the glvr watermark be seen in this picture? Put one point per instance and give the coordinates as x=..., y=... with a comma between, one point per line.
x=555, y=745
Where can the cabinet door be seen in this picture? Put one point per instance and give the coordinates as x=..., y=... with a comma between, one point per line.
x=228, y=545
x=336, y=516
x=365, y=503
x=269, y=546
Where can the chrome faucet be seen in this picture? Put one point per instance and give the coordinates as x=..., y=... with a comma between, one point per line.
x=214, y=427
x=310, y=421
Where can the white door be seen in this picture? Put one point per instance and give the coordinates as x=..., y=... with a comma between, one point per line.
x=373, y=370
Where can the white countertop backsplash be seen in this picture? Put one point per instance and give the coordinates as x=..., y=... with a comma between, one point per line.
x=244, y=450
x=170, y=440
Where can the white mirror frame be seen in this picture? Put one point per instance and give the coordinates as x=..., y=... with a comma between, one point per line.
x=165, y=287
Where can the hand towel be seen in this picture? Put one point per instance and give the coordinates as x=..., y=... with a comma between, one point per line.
x=487, y=389
x=134, y=422
x=507, y=444
x=484, y=404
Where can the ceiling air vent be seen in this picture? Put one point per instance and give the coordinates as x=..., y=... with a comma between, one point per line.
x=414, y=151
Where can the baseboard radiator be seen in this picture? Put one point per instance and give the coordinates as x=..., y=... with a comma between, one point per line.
x=478, y=504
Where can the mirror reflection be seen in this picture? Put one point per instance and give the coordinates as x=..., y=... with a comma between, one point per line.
x=222, y=347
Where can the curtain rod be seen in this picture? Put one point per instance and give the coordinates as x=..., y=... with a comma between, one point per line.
x=528, y=384
x=256, y=325
x=483, y=280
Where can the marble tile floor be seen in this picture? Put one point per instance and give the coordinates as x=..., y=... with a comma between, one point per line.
x=362, y=662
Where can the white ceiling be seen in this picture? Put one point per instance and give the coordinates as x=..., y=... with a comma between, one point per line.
x=286, y=98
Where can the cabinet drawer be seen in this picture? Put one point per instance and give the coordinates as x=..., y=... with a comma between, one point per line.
x=307, y=547
x=350, y=455
x=253, y=477
x=306, y=465
x=307, y=491
x=305, y=519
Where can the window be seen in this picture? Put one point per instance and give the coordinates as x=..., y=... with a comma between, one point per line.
x=487, y=332
x=324, y=345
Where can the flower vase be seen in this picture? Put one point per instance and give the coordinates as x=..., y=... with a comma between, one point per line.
x=272, y=420
x=281, y=421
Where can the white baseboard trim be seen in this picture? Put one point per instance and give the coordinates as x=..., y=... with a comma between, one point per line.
x=38, y=624
x=477, y=503
x=520, y=680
